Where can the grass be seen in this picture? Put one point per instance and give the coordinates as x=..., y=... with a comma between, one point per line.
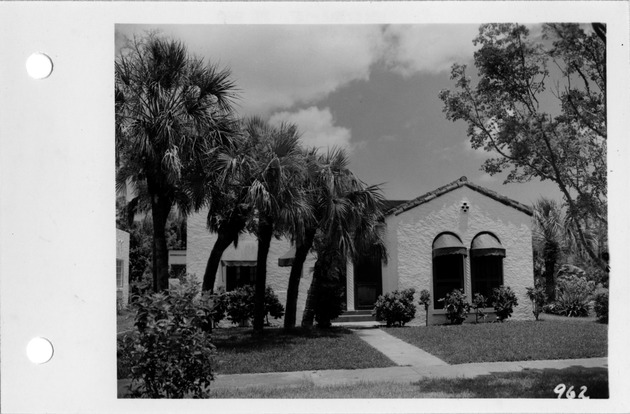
x=524, y=384
x=240, y=352
x=508, y=341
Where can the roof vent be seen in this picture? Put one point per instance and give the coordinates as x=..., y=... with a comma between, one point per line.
x=465, y=207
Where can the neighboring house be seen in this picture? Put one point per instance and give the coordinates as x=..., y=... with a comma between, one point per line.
x=177, y=262
x=122, y=268
x=460, y=235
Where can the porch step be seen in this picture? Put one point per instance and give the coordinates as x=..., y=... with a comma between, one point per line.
x=356, y=316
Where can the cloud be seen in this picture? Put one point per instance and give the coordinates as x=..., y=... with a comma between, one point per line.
x=428, y=48
x=317, y=127
x=279, y=66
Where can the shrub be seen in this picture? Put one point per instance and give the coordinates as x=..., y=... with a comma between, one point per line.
x=479, y=303
x=329, y=299
x=573, y=294
x=601, y=306
x=273, y=306
x=219, y=307
x=395, y=308
x=456, y=306
x=170, y=355
x=538, y=296
x=240, y=305
x=425, y=300
x=504, y=300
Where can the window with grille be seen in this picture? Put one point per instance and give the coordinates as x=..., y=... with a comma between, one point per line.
x=486, y=264
x=120, y=272
x=448, y=266
x=239, y=274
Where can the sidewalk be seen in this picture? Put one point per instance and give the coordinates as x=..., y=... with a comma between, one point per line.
x=397, y=350
x=398, y=374
x=413, y=364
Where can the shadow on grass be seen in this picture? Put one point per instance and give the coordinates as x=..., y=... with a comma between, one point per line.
x=529, y=383
x=244, y=339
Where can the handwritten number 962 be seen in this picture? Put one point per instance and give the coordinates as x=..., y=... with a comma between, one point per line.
x=570, y=394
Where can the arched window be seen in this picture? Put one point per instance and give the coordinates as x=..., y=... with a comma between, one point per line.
x=448, y=266
x=486, y=264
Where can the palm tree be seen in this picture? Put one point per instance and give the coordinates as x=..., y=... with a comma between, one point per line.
x=229, y=213
x=303, y=238
x=348, y=216
x=549, y=240
x=275, y=193
x=171, y=111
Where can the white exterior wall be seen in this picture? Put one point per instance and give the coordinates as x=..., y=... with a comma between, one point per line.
x=122, y=252
x=410, y=237
x=200, y=242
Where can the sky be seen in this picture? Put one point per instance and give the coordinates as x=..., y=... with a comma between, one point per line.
x=371, y=89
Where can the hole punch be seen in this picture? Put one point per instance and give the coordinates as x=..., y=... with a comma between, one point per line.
x=39, y=350
x=39, y=66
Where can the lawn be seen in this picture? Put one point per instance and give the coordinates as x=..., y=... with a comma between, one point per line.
x=509, y=341
x=239, y=352
x=524, y=384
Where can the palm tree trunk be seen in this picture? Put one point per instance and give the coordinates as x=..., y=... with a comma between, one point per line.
x=308, y=317
x=265, y=232
x=223, y=242
x=160, y=208
x=293, y=289
x=551, y=257
x=309, y=308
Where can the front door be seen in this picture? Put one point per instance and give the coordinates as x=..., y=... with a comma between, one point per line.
x=367, y=281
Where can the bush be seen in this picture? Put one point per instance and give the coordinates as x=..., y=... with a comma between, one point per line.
x=479, y=304
x=538, y=296
x=504, y=300
x=395, y=308
x=573, y=294
x=273, y=306
x=219, y=307
x=456, y=306
x=601, y=306
x=238, y=305
x=170, y=355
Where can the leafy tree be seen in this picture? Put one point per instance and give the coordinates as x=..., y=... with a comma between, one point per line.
x=171, y=112
x=511, y=113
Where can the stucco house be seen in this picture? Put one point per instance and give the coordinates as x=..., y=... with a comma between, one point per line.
x=460, y=235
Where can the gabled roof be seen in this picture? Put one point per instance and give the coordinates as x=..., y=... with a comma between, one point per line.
x=392, y=204
x=463, y=181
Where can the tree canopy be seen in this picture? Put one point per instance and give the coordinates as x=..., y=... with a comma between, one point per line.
x=172, y=110
x=539, y=107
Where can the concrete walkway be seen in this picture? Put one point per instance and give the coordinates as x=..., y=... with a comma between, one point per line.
x=396, y=374
x=397, y=350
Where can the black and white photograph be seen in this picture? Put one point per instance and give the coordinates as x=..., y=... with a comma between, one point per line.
x=314, y=207
x=362, y=211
